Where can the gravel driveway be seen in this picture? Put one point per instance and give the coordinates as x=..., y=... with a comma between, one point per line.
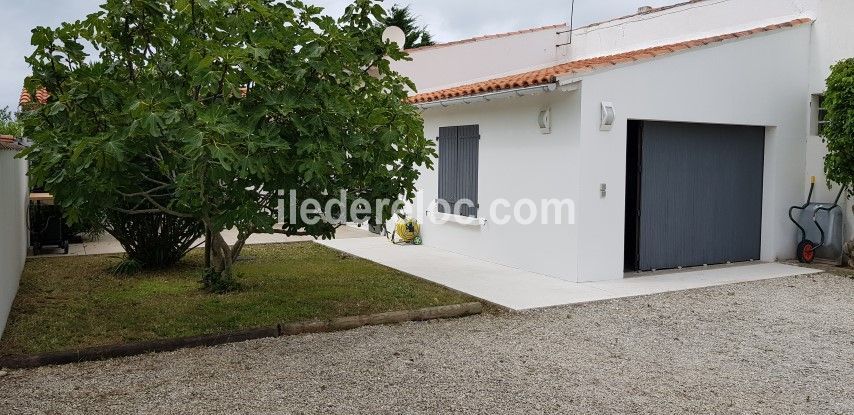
x=777, y=346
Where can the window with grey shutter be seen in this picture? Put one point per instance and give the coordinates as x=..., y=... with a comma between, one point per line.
x=458, y=164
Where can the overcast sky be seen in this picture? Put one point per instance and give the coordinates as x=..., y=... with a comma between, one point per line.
x=447, y=19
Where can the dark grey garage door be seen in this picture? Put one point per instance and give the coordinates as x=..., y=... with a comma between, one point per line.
x=700, y=194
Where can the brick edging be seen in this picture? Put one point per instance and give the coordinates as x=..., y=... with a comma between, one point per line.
x=287, y=329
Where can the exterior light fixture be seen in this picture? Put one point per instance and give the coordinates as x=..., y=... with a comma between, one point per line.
x=545, y=121
x=608, y=116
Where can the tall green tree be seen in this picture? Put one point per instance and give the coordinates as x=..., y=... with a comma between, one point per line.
x=203, y=110
x=839, y=132
x=8, y=124
x=402, y=17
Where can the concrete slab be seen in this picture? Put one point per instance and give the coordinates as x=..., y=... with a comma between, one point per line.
x=520, y=290
x=699, y=278
x=498, y=284
x=106, y=244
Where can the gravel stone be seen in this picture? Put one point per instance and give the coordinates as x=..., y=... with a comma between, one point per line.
x=776, y=346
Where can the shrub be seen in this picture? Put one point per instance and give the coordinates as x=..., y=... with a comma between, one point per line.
x=153, y=240
x=839, y=132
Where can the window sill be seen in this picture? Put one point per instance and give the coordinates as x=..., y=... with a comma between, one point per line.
x=460, y=220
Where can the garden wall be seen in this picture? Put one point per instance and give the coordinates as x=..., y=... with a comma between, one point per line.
x=13, y=235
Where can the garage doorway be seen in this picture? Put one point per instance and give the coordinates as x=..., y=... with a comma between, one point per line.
x=693, y=194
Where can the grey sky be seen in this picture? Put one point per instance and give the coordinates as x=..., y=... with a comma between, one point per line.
x=447, y=19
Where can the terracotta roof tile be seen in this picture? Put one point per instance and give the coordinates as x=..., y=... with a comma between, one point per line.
x=41, y=97
x=548, y=75
x=9, y=143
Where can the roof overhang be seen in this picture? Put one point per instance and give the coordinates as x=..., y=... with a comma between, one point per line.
x=497, y=95
x=11, y=146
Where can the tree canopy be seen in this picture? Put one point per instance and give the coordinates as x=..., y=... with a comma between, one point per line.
x=839, y=131
x=416, y=36
x=8, y=125
x=203, y=109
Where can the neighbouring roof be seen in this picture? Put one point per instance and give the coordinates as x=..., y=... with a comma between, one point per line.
x=41, y=96
x=489, y=37
x=550, y=74
x=9, y=145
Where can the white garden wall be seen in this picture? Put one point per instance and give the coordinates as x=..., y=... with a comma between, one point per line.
x=13, y=236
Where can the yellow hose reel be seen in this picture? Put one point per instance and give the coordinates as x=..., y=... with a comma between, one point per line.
x=407, y=231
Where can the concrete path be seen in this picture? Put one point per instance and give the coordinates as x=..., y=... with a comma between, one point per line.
x=106, y=244
x=520, y=290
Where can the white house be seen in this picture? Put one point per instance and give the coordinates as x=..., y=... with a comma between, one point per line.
x=681, y=134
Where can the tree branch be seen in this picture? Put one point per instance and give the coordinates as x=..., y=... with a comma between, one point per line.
x=145, y=193
x=147, y=196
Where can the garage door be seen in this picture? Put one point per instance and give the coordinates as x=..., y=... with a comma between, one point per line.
x=700, y=194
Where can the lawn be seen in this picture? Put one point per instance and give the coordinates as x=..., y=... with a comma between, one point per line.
x=70, y=302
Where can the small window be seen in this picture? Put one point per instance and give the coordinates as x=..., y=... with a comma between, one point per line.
x=819, y=115
x=458, y=166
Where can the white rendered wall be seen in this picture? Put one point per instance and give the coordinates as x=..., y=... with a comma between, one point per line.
x=677, y=24
x=758, y=81
x=13, y=236
x=443, y=66
x=516, y=161
x=832, y=41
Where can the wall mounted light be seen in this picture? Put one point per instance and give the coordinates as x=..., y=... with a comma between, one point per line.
x=545, y=121
x=607, y=117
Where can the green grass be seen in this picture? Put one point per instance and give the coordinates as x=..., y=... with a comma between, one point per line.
x=70, y=302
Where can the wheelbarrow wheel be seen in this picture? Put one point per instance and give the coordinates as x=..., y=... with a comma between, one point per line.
x=806, y=252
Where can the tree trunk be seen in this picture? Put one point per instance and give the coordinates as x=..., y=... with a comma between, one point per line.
x=221, y=259
x=207, y=248
x=219, y=277
x=238, y=246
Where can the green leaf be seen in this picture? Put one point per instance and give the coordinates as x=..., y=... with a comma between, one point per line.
x=56, y=108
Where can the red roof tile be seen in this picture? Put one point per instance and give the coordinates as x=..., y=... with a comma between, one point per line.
x=548, y=75
x=11, y=145
x=41, y=97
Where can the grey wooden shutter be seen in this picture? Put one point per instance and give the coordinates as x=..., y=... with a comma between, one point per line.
x=458, y=166
x=447, y=166
x=467, y=155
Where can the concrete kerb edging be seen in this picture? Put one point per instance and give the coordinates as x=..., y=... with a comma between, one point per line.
x=288, y=329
